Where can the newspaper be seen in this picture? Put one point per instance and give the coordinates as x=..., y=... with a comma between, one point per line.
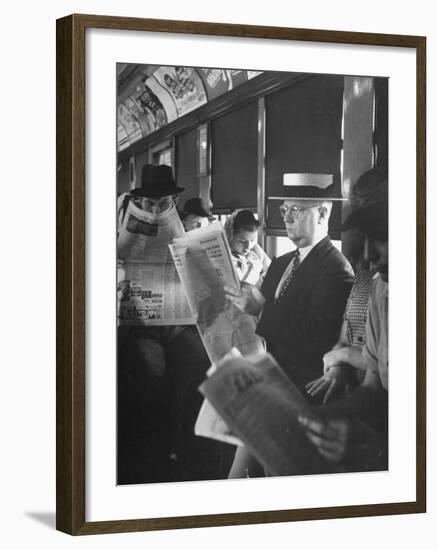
x=145, y=236
x=203, y=261
x=149, y=289
x=209, y=423
x=261, y=405
x=152, y=294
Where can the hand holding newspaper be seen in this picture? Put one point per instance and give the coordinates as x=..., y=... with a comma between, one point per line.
x=261, y=406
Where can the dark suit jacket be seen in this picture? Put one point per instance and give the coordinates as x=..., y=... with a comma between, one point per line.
x=305, y=322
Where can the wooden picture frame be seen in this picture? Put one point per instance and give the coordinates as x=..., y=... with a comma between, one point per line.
x=71, y=272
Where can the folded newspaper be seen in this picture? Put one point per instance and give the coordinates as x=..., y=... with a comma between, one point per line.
x=149, y=289
x=209, y=423
x=204, y=263
x=261, y=406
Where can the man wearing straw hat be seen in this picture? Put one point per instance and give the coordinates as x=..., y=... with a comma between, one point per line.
x=304, y=293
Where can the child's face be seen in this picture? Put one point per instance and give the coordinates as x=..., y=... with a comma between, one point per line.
x=155, y=206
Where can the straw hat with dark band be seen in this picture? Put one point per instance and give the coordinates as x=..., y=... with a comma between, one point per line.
x=314, y=187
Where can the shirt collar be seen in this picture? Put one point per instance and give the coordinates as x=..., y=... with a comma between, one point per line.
x=305, y=250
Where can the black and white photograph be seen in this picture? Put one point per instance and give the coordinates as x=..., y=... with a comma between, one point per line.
x=252, y=260
x=205, y=200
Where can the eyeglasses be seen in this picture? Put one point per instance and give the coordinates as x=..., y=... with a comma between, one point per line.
x=296, y=211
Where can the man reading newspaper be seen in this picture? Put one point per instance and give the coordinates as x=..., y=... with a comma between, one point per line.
x=273, y=419
x=304, y=293
x=160, y=357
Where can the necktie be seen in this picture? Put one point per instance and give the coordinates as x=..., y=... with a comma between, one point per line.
x=288, y=275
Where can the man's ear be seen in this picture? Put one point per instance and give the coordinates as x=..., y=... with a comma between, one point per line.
x=323, y=213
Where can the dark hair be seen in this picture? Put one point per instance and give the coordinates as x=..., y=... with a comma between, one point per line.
x=195, y=207
x=370, y=188
x=369, y=202
x=245, y=221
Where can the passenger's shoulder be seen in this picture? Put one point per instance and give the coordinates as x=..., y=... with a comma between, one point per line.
x=335, y=267
x=260, y=252
x=379, y=288
x=284, y=259
x=336, y=258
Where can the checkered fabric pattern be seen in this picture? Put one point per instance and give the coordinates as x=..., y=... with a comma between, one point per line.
x=356, y=312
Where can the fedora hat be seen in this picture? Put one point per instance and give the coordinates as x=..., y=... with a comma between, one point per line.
x=369, y=201
x=309, y=187
x=156, y=181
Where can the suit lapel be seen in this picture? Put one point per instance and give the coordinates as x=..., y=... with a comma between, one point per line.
x=280, y=265
x=306, y=272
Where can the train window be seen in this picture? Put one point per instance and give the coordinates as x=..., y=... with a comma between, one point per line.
x=313, y=109
x=276, y=246
x=222, y=218
x=185, y=165
x=162, y=154
x=163, y=157
x=234, y=139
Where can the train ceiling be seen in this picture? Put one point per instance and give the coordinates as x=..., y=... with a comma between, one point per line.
x=151, y=96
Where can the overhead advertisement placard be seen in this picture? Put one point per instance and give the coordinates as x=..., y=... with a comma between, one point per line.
x=153, y=109
x=183, y=85
x=135, y=108
x=220, y=81
x=122, y=138
x=171, y=92
x=129, y=123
